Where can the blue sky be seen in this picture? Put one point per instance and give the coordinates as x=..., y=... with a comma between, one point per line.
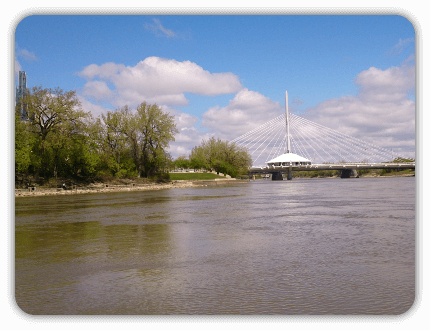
x=228, y=74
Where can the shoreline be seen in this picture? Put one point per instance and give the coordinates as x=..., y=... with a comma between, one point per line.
x=99, y=188
x=107, y=188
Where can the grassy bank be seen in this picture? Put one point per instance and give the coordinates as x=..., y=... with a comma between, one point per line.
x=194, y=176
x=406, y=172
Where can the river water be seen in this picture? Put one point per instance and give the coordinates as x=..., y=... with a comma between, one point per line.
x=306, y=246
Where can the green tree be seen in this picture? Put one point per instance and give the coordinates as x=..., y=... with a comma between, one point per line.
x=113, y=138
x=52, y=112
x=221, y=156
x=182, y=162
x=23, y=144
x=156, y=129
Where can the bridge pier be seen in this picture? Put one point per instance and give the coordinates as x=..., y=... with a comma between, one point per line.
x=349, y=173
x=276, y=176
x=289, y=174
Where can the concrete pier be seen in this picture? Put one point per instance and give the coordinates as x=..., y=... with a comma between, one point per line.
x=349, y=173
x=276, y=176
x=289, y=174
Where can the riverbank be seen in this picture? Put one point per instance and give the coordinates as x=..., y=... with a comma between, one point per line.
x=97, y=188
x=106, y=188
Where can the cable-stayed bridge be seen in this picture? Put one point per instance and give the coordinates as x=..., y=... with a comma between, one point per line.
x=292, y=143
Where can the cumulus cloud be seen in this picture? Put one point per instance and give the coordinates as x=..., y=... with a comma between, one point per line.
x=94, y=109
x=189, y=135
x=157, y=80
x=247, y=110
x=98, y=90
x=381, y=113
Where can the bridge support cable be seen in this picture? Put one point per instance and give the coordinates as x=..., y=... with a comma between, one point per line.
x=338, y=140
x=280, y=149
x=276, y=146
x=298, y=143
x=273, y=136
x=306, y=137
x=300, y=133
x=318, y=140
x=259, y=135
x=240, y=139
x=321, y=137
x=362, y=148
x=299, y=151
x=244, y=137
x=269, y=134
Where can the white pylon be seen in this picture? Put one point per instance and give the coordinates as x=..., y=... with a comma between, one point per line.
x=287, y=117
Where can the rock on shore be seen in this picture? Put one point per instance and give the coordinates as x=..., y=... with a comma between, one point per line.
x=100, y=188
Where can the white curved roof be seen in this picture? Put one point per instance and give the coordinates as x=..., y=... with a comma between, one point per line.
x=289, y=157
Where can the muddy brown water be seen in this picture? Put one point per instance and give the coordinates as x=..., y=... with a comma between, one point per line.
x=306, y=246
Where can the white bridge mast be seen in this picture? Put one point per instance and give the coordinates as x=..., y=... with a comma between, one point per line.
x=287, y=118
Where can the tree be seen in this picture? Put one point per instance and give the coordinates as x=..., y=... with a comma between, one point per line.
x=182, y=162
x=23, y=144
x=52, y=112
x=57, y=138
x=156, y=129
x=221, y=156
x=113, y=137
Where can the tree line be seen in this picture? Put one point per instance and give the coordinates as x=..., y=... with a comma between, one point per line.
x=55, y=137
x=221, y=156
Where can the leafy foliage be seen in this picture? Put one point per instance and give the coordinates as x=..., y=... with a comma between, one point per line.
x=221, y=156
x=56, y=138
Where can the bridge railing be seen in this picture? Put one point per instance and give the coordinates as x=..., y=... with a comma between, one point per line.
x=339, y=166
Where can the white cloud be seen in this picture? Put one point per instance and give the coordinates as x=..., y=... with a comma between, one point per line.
x=156, y=27
x=28, y=56
x=400, y=46
x=98, y=90
x=104, y=71
x=247, y=110
x=25, y=54
x=21, y=53
x=189, y=136
x=159, y=80
x=381, y=113
x=95, y=109
x=18, y=67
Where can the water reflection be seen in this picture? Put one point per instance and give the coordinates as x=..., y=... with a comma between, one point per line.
x=301, y=247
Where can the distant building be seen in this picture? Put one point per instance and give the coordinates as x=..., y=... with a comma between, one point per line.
x=21, y=90
x=289, y=159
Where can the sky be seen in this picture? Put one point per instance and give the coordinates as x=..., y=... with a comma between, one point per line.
x=224, y=75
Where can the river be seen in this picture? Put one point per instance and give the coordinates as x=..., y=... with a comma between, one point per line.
x=306, y=246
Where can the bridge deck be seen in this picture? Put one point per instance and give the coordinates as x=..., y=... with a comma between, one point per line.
x=341, y=166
